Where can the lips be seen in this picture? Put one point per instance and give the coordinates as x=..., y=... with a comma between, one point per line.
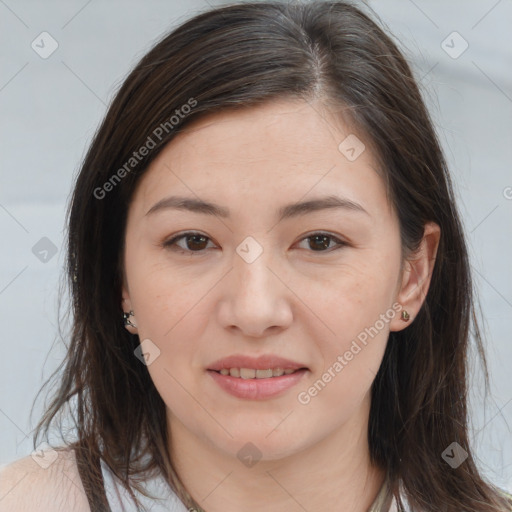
x=256, y=378
x=257, y=389
x=264, y=362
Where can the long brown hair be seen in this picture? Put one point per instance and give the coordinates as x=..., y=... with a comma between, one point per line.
x=240, y=56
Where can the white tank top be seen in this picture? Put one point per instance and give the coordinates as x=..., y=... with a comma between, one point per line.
x=120, y=500
x=167, y=501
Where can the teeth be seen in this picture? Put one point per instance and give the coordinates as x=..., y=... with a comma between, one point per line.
x=251, y=373
x=264, y=374
x=247, y=373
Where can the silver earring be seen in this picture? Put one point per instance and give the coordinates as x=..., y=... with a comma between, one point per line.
x=126, y=317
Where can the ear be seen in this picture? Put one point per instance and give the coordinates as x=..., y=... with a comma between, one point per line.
x=127, y=308
x=416, y=275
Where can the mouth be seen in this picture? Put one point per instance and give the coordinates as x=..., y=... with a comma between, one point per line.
x=262, y=367
x=257, y=384
x=256, y=378
x=253, y=373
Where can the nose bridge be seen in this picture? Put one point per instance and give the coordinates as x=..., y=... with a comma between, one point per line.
x=255, y=299
x=251, y=269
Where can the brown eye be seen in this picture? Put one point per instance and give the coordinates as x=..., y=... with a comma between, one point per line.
x=192, y=242
x=321, y=242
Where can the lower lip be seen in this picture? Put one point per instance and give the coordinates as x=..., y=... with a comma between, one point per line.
x=257, y=389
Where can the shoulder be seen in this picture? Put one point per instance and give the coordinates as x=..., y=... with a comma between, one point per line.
x=48, y=482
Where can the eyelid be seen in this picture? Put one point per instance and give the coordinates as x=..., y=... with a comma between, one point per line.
x=171, y=242
x=341, y=241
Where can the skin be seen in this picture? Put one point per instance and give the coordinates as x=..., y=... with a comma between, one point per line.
x=292, y=301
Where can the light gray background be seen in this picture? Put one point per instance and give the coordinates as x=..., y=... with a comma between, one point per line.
x=51, y=107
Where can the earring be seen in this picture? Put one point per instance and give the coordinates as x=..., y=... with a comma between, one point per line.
x=126, y=317
x=405, y=316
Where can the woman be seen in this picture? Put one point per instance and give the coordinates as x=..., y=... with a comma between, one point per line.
x=271, y=289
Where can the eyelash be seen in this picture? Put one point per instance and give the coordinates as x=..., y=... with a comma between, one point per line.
x=171, y=243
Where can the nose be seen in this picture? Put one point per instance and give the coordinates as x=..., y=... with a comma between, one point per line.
x=255, y=300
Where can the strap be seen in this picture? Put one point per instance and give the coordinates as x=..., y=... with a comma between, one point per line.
x=96, y=497
x=384, y=500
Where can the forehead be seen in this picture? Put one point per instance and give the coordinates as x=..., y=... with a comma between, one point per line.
x=264, y=154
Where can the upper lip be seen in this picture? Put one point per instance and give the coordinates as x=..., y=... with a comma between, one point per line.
x=263, y=362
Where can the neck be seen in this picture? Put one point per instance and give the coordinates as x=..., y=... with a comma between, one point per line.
x=332, y=474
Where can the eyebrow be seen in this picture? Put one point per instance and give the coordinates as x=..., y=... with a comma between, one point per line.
x=285, y=212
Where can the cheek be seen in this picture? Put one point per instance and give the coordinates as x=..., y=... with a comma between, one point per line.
x=163, y=296
x=352, y=355
x=356, y=305
x=353, y=295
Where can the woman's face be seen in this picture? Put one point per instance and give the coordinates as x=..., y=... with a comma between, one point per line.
x=248, y=282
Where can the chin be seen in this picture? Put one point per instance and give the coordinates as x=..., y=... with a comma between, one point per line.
x=259, y=444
